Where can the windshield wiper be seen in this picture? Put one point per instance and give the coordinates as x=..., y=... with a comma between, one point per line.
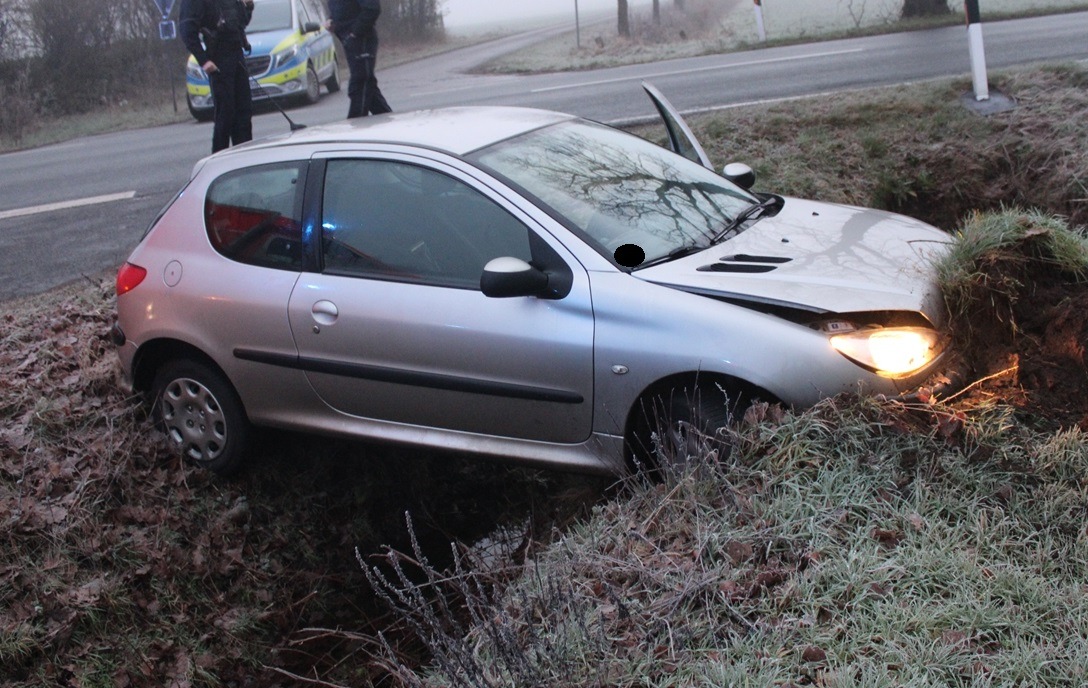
x=748, y=213
x=678, y=252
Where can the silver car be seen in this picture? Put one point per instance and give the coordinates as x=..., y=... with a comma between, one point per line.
x=510, y=282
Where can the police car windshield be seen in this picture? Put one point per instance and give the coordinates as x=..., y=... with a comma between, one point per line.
x=270, y=15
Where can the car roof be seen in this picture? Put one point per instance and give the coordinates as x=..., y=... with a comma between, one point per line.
x=456, y=130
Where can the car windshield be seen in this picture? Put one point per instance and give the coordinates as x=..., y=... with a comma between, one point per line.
x=270, y=15
x=619, y=189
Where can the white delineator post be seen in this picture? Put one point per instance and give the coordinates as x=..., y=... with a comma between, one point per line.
x=577, y=27
x=978, y=52
x=759, y=21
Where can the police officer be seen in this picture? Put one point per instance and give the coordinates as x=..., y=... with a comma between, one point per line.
x=353, y=23
x=214, y=31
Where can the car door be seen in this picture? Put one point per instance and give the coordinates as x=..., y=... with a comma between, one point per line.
x=319, y=44
x=395, y=326
x=681, y=139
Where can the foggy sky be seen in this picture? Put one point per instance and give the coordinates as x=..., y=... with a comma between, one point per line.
x=466, y=12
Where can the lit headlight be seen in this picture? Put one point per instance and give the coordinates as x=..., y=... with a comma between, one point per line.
x=890, y=351
x=280, y=59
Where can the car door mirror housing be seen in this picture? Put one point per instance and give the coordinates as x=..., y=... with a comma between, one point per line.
x=740, y=174
x=311, y=27
x=507, y=277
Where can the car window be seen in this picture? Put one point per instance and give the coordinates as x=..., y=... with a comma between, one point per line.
x=254, y=215
x=392, y=220
x=303, y=14
x=315, y=10
x=270, y=15
x=618, y=189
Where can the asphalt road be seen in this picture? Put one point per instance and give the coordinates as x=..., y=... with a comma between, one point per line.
x=132, y=174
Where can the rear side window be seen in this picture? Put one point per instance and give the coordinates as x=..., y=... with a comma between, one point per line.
x=254, y=215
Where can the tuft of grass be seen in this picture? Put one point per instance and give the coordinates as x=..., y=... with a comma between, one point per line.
x=985, y=235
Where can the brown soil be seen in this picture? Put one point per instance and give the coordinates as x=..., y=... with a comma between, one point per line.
x=1023, y=339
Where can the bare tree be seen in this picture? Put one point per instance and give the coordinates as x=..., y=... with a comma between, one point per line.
x=624, y=19
x=413, y=19
x=878, y=11
x=856, y=8
x=657, y=11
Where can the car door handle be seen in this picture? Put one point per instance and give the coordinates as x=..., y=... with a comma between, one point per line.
x=325, y=312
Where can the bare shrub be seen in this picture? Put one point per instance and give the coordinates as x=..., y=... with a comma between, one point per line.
x=924, y=8
x=89, y=50
x=21, y=105
x=413, y=19
x=531, y=639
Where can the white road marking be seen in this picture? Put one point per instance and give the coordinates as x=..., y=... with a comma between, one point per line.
x=731, y=65
x=64, y=205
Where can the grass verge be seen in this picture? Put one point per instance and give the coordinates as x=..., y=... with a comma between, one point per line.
x=862, y=543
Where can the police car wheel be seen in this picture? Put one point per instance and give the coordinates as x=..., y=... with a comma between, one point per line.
x=333, y=82
x=313, y=86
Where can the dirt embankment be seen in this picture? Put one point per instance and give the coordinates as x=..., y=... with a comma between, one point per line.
x=1022, y=326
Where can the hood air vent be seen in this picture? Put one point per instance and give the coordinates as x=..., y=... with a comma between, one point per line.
x=743, y=263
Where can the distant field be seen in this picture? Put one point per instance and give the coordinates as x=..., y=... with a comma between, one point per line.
x=799, y=18
x=717, y=26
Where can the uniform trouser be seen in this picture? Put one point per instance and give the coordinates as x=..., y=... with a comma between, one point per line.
x=364, y=96
x=233, y=100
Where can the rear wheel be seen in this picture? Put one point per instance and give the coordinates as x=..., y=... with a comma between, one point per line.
x=680, y=425
x=333, y=82
x=201, y=414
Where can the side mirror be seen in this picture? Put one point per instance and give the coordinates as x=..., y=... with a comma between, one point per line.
x=310, y=27
x=507, y=277
x=740, y=174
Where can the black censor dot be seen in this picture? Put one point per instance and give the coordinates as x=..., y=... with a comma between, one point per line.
x=630, y=255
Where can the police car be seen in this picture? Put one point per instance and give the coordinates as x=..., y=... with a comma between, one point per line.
x=292, y=56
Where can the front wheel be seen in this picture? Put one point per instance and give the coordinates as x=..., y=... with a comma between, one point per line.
x=313, y=87
x=200, y=114
x=676, y=427
x=202, y=416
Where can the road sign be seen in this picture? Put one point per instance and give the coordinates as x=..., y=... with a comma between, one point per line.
x=168, y=30
x=165, y=6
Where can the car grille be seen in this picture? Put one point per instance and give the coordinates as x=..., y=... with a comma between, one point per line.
x=258, y=65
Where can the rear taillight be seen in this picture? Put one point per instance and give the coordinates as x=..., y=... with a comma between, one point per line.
x=129, y=277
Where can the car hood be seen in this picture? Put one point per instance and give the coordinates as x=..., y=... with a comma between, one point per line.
x=820, y=257
x=267, y=42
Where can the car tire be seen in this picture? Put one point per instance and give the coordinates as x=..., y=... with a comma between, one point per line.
x=677, y=427
x=201, y=414
x=312, y=93
x=332, y=84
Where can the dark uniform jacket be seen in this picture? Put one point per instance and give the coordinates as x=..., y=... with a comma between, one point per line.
x=354, y=18
x=220, y=23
